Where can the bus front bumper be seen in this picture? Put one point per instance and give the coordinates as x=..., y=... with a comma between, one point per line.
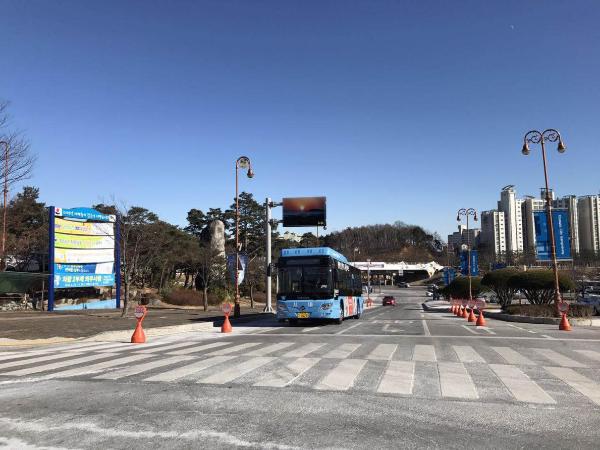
x=307, y=310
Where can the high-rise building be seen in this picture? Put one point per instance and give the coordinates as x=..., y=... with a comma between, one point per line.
x=511, y=206
x=569, y=202
x=589, y=223
x=493, y=231
x=460, y=237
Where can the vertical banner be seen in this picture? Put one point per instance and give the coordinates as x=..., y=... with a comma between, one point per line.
x=242, y=264
x=449, y=275
x=464, y=269
x=562, y=237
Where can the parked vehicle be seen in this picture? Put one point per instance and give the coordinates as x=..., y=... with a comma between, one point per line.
x=388, y=300
x=403, y=285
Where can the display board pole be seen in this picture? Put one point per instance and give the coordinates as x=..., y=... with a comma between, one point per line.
x=51, y=258
x=268, y=306
x=117, y=265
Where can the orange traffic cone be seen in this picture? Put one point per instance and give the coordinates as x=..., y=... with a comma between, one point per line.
x=480, y=320
x=564, y=323
x=226, y=327
x=465, y=314
x=456, y=310
x=471, y=317
x=461, y=311
x=138, y=337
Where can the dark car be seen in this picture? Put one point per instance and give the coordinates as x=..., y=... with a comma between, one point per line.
x=388, y=300
x=403, y=285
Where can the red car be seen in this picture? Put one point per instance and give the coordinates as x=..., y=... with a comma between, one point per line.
x=388, y=301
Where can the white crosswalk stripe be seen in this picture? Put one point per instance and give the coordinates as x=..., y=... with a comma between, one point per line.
x=98, y=366
x=342, y=352
x=520, y=385
x=557, y=358
x=455, y=381
x=269, y=349
x=580, y=383
x=301, y=352
x=57, y=365
x=513, y=357
x=33, y=360
x=398, y=378
x=590, y=354
x=200, y=348
x=134, y=370
x=235, y=348
x=342, y=376
x=287, y=374
x=189, y=369
x=180, y=345
x=237, y=370
x=467, y=354
x=424, y=353
x=383, y=352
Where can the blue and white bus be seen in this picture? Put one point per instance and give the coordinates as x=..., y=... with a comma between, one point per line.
x=317, y=283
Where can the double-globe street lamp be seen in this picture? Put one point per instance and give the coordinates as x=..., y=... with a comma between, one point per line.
x=243, y=162
x=468, y=212
x=541, y=137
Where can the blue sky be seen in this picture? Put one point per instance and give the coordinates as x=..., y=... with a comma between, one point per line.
x=395, y=110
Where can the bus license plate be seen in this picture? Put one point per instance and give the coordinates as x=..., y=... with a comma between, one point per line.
x=303, y=315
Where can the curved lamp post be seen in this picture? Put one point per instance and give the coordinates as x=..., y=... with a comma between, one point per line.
x=541, y=137
x=243, y=162
x=468, y=212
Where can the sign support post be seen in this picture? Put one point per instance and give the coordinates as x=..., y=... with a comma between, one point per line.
x=268, y=205
x=51, y=258
x=117, y=265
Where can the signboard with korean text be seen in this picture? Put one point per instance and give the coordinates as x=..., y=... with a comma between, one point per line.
x=474, y=263
x=562, y=239
x=84, y=252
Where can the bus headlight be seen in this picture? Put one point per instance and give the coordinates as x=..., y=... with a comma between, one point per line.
x=326, y=306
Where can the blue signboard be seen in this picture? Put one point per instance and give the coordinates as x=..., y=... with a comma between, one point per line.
x=562, y=239
x=70, y=269
x=449, y=275
x=83, y=214
x=474, y=263
x=83, y=280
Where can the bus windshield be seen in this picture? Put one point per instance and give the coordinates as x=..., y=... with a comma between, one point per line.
x=302, y=280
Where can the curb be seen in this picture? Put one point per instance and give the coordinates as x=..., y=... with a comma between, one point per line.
x=525, y=319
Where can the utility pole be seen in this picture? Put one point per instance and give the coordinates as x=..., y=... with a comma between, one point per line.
x=269, y=223
x=5, y=206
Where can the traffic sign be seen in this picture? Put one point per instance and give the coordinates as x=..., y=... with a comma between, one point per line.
x=140, y=311
x=563, y=307
x=226, y=308
x=480, y=303
x=471, y=303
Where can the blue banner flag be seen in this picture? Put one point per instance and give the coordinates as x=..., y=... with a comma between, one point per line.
x=474, y=263
x=83, y=280
x=562, y=238
x=449, y=275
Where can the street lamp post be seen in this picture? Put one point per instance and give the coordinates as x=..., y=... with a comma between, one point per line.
x=3, y=259
x=468, y=212
x=243, y=162
x=541, y=137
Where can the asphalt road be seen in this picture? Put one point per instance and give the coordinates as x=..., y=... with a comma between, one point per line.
x=397, y=378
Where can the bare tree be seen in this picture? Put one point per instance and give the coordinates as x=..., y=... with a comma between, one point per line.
x=211, y=269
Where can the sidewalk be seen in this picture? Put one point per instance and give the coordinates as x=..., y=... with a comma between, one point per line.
x=31, y=327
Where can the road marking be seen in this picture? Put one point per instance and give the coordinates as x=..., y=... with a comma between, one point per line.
x=580, y=383
x=134, y=370
x=349, y=328
x=130, y=347
x=424, y=353
x=236, y=371
x=303, y=351
x=179, y=345
x=486, y=329
x=34, y=360
x=187, y=351
x=520, y=385
x=383, y=352
x=398, y=378
x=513, y=357
x=57, y=365
x=470, y=330
x=235, y=348
x=269, y=349
x=425, y=328
x=467, y=354
x=183, y=371
x=447, y=336
x=285, y=375
x=548, y=337
x=341, y=352
x=590, y=354
x=342, y=377
x=557, y=358
x=455, y=381
x=99, y=366
x=308, y=330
